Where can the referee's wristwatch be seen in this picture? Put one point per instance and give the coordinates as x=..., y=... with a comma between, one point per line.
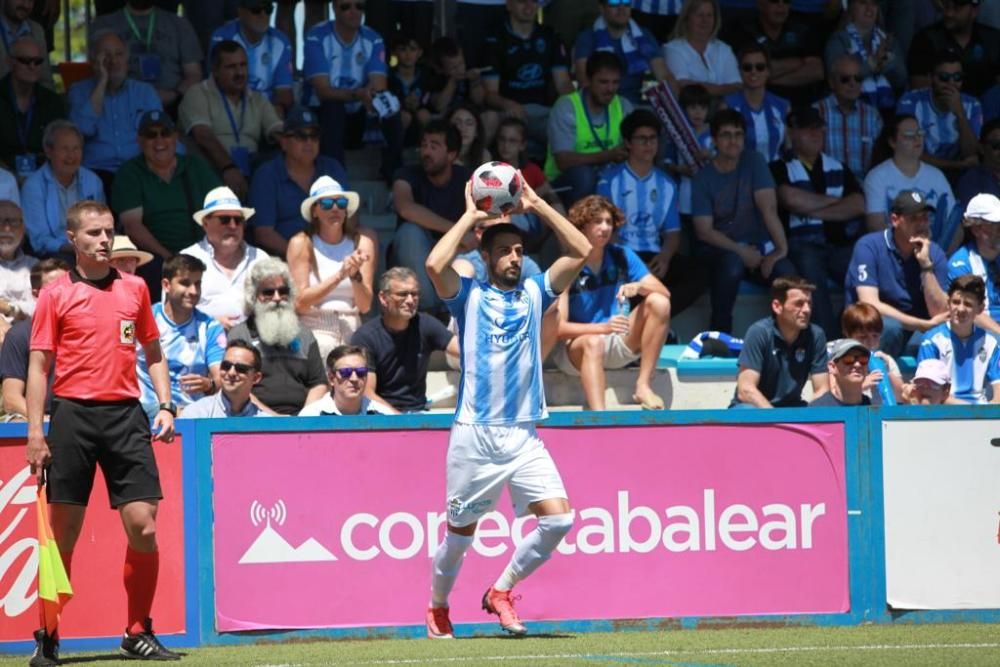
x=170, y=407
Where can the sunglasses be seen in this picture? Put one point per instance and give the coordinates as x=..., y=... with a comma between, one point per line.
x=851, y=359
x=618, y=3
x=262, y=9
x=306, y=136
x=945, y=77
x=269, y=292
x=158, y=134
x=327, y=203
x=848, y=78
x=24, y=60
x=346, y=373
x=749, y=67
x=347, y=6
x=228, y=219
x=242, y=369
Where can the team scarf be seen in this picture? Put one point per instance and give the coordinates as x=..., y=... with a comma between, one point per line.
x=669, y=110
x=695, y=348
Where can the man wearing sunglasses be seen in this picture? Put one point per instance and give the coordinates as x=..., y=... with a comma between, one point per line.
x=347, y=372
x=951, y=120
x=852, y=125
x=26, y=108
x=15, y=22
x=240, y=373
x=978, y=46
x=848, y=368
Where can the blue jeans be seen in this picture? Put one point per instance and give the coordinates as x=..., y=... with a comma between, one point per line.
x=727, y=270
x=410, y=247
x=897, y=341
x=819, y=264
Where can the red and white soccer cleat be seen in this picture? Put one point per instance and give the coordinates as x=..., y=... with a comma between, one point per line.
x=502, y=604
x=438, y=624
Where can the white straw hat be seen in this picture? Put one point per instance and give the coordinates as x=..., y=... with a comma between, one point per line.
x=327, y=187
x=222, y=199
x=123, y=247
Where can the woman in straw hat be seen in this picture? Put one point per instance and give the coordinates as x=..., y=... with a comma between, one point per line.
x=332, y=263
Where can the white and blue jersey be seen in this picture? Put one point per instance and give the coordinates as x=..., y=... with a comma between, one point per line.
x=765, y=131
x=659, y=7
x=967, y=260
x=347, y=65
x=885, y=181
x=499, y=334
x=269, y=62
x=940, y=127
x=650, y=205
x=191, y=347
x=974, y=361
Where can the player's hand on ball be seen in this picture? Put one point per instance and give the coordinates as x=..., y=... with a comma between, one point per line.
x=163, y=426
x=38, y=454
x=470, y=205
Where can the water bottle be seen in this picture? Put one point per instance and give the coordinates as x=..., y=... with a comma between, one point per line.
x=624, y=307
x=884, y=386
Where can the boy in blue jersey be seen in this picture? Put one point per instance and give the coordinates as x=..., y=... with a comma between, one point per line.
x=971, y=352
x=493, y=441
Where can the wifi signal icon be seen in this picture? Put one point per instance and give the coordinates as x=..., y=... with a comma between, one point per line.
x=259, y=513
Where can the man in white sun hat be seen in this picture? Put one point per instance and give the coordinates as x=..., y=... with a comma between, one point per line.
x=227, y=256
x=981, y=255
x=126, y=257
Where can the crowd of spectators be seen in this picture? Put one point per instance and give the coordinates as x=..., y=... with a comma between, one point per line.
x=817, y=148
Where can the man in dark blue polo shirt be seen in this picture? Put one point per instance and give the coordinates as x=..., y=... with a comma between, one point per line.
x=900, y=271
x=781, y=352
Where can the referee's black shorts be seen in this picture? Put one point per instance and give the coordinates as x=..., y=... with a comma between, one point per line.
x=114, y=434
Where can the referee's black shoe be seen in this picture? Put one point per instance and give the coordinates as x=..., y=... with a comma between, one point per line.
x=145, y=645
x=46, y=650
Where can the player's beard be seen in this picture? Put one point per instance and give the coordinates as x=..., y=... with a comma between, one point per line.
x=277, y=323
x=507, y=279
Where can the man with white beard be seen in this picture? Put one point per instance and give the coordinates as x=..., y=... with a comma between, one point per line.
x=292, y=367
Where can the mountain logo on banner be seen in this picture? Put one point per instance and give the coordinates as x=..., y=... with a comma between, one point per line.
x=271, y=547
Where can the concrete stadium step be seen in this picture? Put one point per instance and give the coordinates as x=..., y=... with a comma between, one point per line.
x=374, y=196
x=362, y=164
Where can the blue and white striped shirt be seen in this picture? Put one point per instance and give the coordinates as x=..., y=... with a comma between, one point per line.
x=347, y=65
x=765, y=126
x=269, y=62
x=499, y=334
x=650, y=204
x=973, y=361
x=940, y=127
x=659, y=7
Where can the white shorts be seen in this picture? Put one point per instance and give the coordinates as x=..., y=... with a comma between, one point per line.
x=482, y=459
x=616, y=355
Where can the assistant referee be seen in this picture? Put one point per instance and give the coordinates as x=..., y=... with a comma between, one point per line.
x=89, y=321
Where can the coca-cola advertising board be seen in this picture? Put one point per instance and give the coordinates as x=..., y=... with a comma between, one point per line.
x=98, y=607
x=678, y=520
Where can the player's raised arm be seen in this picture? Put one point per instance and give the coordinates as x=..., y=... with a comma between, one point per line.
x=575, y=245
x=446, y=281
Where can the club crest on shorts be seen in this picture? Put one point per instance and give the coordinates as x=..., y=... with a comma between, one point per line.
x=127, y=332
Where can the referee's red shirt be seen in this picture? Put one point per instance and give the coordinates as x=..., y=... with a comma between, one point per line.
x=92, y=329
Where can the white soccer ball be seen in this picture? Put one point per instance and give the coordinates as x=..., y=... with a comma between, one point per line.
x=496, y=188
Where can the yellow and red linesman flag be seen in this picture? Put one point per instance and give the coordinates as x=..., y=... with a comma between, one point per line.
x=54, y=590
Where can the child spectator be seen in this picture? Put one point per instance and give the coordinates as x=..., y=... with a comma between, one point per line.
x=697, y=103
x=451, y=83
x=408, y=81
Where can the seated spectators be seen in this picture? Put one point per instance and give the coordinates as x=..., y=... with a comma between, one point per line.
x=345, y=68
x=163, y=48
x=470, y=127
x=596, y=322
x=905, y=171
x=156, y=194
x=347, y=373
x=408, y=82
x=950, y=119
x=126, y=257
x=16, y=302
x=636, y=50
x=900, y=271
x=971, y=352
x=781, y=352
x=26, y=108
x=50, y=191
x=239, y=373
x=931, y=384
x=795, y=50
x=659, y=17
x=696, y=55
x=510, y=146
x=735, y=214
x=14, y=355
x=847, y=367
x=280, y=185
x=991, y=103
x=192, y=341
x=852, y=125
x=105, y=107
x=862, y=322
x=8, y=187
x=15, y=22
x=984, y=178
x=450, y=83
x=332, y=262
x=290, y=363
x=209, y=114
x=578, y=152
x=763, y=111
x=881, y=61
x=429, y=199
x=824, y=211
x=696, y=102
x=980, y=256
x=648, y=199
x=227, y=257
x=978, y=44
x=527, y=64
x=400, y=343
x=269, y=53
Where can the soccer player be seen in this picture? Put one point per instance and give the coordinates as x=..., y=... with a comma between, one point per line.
x=90, y=320
x=493, y=440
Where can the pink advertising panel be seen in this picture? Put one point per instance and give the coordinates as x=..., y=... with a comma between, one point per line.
x=337, y=529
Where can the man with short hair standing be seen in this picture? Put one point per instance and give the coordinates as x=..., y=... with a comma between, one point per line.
x=90, y=321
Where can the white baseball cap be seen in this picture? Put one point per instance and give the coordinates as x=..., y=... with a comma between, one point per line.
x=983, y=207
